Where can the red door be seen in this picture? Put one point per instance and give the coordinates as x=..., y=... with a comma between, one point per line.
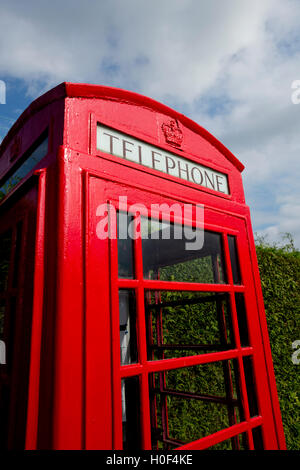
x=178, y=327
x=17, y=245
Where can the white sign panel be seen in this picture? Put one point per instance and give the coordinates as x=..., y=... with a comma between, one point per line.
x=134, y=150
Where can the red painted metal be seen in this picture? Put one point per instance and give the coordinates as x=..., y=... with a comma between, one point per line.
x=37, y=319
x=74, y=373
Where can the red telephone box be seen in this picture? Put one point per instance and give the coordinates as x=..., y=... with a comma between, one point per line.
x=131, y=309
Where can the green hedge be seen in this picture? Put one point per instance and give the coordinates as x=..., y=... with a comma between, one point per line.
x=280, y=274
x=198, y=323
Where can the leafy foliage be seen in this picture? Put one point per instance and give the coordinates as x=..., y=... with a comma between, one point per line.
x=8, y=186
x=190, y=419
x=191, y=318
x=279, y=268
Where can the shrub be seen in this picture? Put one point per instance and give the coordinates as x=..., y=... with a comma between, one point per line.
x=279, y=268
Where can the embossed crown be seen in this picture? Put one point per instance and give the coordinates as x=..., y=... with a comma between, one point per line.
x=173, y=133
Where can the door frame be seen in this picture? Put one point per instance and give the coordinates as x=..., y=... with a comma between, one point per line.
x=217, y=221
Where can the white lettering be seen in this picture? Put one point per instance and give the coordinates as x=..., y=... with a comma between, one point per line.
x=120, y=460
x=296, y=354
x=106, y=227
x=193, y=234
x=166, y=210
x=178, y=227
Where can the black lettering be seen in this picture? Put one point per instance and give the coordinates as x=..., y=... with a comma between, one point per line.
x=218, y=183
x=185, y=170
x=155, y=159
x=194, y=169
x=168, y=167
x=207, y=178
x=140, y=154
x=111, y=141
x=125, y=149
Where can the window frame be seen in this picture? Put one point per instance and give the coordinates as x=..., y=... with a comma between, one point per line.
x=144, y=367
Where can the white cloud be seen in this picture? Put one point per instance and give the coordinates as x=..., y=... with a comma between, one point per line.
x=173, y=47
x=285, y=221
x=227, y=64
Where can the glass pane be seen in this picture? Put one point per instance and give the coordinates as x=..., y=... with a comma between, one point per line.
x=192, y=402
x=2, y=317
x=4, y=415
x=236, y=274
x=5, y=252
x=125, y=245
x=2, y=339
x=242, y=319
x=250, y=384
x=128, y=342
x=187, y=323
x=17, y=254
x=166, y=255
x=30, y=160
x=7, y=325
x=131, y=413
x=257, y=438
x=10, y=339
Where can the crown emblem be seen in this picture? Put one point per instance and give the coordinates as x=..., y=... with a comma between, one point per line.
x=173, y=133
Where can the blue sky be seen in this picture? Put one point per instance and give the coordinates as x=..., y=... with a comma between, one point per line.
x=227, y=64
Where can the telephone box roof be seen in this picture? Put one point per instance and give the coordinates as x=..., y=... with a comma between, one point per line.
x=88, y=91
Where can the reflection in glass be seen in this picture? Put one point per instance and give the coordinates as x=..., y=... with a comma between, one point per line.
x=131, y=413
x=250, y=384
x=192, y=402
x=242, y=319
x=187, y=323
x=166, y=257
x=30, y=160
x=128, y=341
x=257, y=438
x=2, y=338
x=17, y=254
x=236, y=273
x=4, y=414
x=2, y=316
x=5, y=253
x=125, y=245
x=10, y=338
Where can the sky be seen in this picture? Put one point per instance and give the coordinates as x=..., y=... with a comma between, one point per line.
x=230, y=65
